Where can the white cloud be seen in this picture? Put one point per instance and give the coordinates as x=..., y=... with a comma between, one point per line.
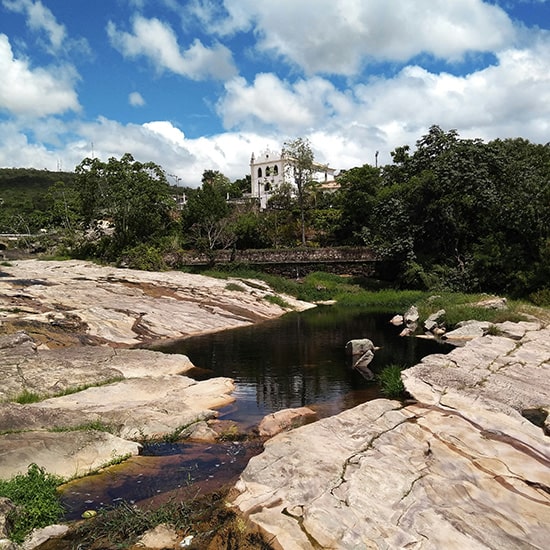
x=40, y=18
x=136, y=99
x=157, y=41
x=34, y=92
x=338, y=37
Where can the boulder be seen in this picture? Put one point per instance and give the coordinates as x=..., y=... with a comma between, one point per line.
x=41, y=536
x=434, y=320
x=359, y=346
x=287, y=419
x=467, y=330
x=411, y=317
x=163, y=536
x=397, y=320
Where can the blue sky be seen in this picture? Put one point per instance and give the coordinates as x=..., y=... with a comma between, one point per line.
x=201, y=84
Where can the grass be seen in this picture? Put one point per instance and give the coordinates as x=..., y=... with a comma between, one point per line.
x=277, y=300
x=27, y=397
x=390, y=381
x=96, y=425
x=234, y=286
x=35, y=495
x=211, y=523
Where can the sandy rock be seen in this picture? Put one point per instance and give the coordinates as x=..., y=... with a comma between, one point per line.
x=67, y=454
x=432, y=322
x=284, y=420
x=397, y=320
x=163, y=536
x=6, y=506
x=201, y=431
x=40, y=536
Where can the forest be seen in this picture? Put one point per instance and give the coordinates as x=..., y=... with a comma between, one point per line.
x=452, y=213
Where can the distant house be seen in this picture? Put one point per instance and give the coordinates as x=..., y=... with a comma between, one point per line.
x=267, y=173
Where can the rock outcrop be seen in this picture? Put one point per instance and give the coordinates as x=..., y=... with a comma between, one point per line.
x=54, y=300
x=462, y=468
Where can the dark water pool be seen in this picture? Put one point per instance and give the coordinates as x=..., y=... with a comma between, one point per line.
x=297, y=360
x=300, y=360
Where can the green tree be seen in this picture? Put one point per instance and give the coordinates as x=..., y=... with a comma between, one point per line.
x=299, y=167
x=358, y=188
x=134, y=196
x=205, y=221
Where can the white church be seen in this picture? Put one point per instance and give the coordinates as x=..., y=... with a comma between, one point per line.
x=267, y=173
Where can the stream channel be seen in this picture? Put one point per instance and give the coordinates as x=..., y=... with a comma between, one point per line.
x=296, y=360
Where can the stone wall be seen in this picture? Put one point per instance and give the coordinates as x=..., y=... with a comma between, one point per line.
x=293, y=262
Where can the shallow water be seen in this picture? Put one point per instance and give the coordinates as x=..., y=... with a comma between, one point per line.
x=297, y=360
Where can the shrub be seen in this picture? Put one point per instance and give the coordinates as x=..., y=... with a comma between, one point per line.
x=35, y=495
x=541, y=297
x=390, y=381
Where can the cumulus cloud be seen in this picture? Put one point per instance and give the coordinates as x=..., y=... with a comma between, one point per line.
x=34, y=92
x=136, y=99
x=323, y=36
x=40, y=18
x=155, y=40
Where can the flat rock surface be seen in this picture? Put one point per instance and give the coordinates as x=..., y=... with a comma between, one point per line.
x=67, y=454
x=125, y=306
x=462, y=469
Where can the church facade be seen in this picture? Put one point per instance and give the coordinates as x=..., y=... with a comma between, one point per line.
x=268, y=172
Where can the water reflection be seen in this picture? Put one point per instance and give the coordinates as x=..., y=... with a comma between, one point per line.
x=300, y=360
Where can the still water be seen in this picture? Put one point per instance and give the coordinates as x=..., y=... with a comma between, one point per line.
x=297, y=360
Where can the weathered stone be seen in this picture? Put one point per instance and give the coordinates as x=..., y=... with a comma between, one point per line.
x=492, y=303
x=163, y=536
x=201, y=431
x=126, y=306
x=40, y=536
x=359, y=346
x=67, y=454
x=6, y=506
x=433, y=321
x=397, y=320
x=286, y=419
x=516, y=331
x=467, y=330
x=412, y=316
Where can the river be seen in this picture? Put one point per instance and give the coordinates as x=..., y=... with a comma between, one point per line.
x=296, y=360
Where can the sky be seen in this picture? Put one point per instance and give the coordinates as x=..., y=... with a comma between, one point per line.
x=198, y=85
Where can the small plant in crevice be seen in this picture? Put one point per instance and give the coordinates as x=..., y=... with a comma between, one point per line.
x=391, y=384
x=26, y=397
x=36, y=499
x=277, y=300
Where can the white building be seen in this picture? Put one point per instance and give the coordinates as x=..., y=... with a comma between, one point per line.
x=267, y=173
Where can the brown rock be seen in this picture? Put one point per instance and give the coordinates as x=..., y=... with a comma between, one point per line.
x=284, y=420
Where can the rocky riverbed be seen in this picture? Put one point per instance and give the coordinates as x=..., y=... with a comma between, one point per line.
x=466, y=465
x=66, y=332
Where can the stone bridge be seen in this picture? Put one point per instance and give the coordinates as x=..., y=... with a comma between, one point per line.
x=293, y=262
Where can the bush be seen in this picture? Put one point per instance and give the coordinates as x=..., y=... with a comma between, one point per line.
x=144, y=257
x=36, y=498
x=541, y=297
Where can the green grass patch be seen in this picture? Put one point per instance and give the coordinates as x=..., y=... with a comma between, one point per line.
x=26, y=397
x=37, y=500
x=96, y=425
x=234, y=286
x=277, y=300
x=390, y=381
